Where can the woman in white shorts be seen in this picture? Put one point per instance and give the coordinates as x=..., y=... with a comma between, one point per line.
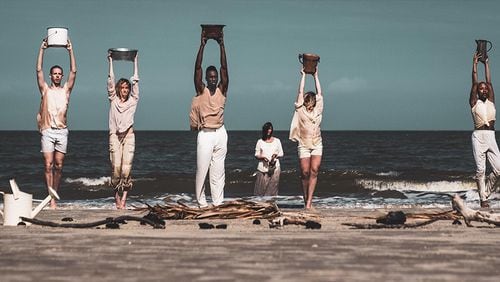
x=305, y=129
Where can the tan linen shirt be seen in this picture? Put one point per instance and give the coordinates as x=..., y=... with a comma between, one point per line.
x=207, y=111
x=305, y=126
x=121, y=114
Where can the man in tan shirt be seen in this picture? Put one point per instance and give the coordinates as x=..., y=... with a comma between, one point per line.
x=52, y=116
x=207, y=117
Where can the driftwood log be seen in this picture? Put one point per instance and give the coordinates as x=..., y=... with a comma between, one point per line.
x=460, y=211
x=469, y=214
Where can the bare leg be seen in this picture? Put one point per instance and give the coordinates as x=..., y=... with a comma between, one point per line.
x=305, y=164
x=124, y=199
x=118, y=200
x=48, y=164
x=56, y=180
x=313, y=179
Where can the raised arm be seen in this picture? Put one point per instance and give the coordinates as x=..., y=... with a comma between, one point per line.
x=224, y=76
x=316, y=81
x=198, y=71
x=491, y=95
x=72, y=67
x=300, y=96
x=42, y=85
x=135, y=78
x=319, y=95
x=111, y=78
x=473, y=91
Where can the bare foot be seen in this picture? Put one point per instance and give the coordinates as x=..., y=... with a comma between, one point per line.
x=118, y=201
x=53, y=204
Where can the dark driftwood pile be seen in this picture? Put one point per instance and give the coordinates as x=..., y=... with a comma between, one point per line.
x=238, y=209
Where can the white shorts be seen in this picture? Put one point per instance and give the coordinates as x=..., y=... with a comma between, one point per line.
x=54, y=139
x=308, y=152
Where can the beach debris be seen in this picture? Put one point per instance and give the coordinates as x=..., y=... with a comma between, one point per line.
x=204, y=225
x=67, y=219
x=112, y=225
x=399, y=220
x=311, y=224
x=470, y=215
x=459, y=211
x=393, y=217
x=237, y=209
x=109, y=220
x=154, y=218
x=298, y=218
x=221, y=226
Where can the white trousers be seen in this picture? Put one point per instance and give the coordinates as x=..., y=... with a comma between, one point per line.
x=484, y=145
x=210, y=155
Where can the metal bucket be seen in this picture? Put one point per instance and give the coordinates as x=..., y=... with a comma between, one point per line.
x=57, y=36
x=123, y=54
x=309, y=61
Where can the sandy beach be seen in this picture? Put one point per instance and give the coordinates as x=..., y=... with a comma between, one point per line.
x=247, y=252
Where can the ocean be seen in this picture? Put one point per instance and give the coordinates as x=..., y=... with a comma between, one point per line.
x=360, y=169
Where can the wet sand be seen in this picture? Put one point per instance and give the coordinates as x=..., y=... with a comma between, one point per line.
x=247, y=252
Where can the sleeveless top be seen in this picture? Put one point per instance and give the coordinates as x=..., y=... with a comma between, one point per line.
x=207, y=111
x=483, y=112
x=53, y=108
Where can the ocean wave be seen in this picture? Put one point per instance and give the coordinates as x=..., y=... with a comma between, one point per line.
x=103, y=180
x=389, y=173
x=433, y=186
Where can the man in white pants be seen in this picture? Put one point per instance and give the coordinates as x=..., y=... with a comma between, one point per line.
x=207, y=117
x=484, y=144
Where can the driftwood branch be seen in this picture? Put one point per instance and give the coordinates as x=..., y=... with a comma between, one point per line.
x=120, y=219
x=391, y=226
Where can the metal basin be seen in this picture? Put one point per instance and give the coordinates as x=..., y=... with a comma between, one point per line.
x=123, y=54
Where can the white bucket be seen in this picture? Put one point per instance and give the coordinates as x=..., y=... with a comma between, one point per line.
x=57, y=36
x=15, y=208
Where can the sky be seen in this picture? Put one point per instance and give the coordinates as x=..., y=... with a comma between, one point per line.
x=385, y=65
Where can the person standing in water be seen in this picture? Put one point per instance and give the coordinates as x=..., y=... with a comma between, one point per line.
x=305, y=129
x=484, y=145
x=51, y=118
x=123, y=97
x=207, y=117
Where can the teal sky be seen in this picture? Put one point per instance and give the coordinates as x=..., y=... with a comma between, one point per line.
x=385, y=65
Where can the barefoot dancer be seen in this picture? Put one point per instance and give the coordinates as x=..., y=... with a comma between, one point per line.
x=484, y=145
x=305, y=130
x=52, y=116
x=207, y=117
x=123, y=98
